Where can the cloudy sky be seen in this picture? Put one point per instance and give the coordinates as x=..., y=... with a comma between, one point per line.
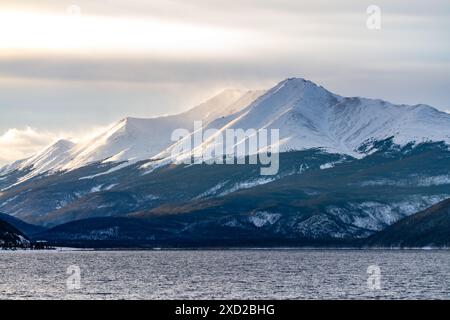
x=67, y=67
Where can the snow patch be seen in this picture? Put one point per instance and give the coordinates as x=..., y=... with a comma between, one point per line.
x=412, y=181
x=262, y=218
x=247, y=185
x=97, y=188
x=327, y=165
x=111, y=170
x=211, y=191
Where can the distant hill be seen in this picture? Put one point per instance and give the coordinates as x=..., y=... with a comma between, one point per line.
x=27, y=228
x=430, y=227
x=11, y=237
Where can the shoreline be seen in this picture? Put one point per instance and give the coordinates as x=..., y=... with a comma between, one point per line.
x=75, y=249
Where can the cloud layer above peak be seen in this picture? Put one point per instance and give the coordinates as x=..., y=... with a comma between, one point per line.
x=66, y=65
x=22, y=143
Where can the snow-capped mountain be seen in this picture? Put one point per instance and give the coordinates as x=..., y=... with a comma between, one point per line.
x=52, y=157
x=309, y=116
x=131, y=139
x=358, y=166
x=48, y=159
x=306, y=115
x=134, y=139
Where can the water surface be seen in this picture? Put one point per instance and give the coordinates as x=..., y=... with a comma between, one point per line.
x=225, y=274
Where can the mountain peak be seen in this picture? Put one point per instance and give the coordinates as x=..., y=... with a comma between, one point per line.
x=131, y=124
x=296, y=79
x=63, y=144
x=54, y=150
x=130, y=120
x=297, y=82
x=300, y=86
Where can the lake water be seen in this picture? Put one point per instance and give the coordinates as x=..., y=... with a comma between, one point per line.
x=226, y=274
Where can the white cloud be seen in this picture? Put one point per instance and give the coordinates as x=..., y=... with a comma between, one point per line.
x=17, y=144
x=21, y=143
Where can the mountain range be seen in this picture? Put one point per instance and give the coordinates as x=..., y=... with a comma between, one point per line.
x=131, y=139
x=350, y=168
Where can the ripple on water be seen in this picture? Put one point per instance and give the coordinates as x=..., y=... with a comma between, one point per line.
x=227, y=274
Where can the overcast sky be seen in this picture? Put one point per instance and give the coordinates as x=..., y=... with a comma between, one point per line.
x=67, y=66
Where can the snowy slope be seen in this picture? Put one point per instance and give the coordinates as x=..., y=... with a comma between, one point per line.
x=135, y=139
x=309, y=116
x=226, y=103
x=11, y=167
x=48, y=159
x=51, y=157
x=131, y=139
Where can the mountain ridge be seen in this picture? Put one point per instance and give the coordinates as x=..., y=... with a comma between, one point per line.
x=131, y=139
x=307, y=115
